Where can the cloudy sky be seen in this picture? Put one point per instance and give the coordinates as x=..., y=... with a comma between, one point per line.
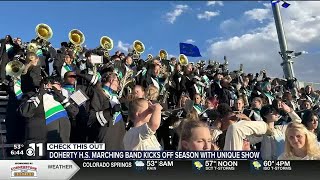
x=243, y=31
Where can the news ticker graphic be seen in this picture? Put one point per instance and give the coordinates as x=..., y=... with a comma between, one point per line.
x=79, y=151
x=68, y=169
x=38, y=169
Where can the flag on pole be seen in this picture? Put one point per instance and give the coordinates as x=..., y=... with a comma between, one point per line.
x=189, y=50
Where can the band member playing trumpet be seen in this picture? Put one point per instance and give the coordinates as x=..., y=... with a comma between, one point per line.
x=46, y=114
x=31, y=76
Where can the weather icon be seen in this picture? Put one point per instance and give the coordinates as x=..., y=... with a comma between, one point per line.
x=198, y=165
x=139, y=163
x=256, y=165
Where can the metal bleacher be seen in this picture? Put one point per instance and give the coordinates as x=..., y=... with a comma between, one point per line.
x=3, y=131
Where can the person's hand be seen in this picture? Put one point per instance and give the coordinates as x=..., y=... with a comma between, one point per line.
x=57, y=94
x=285, y=107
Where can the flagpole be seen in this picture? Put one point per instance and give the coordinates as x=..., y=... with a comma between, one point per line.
x=287, y=63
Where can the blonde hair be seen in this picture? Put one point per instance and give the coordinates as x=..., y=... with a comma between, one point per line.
x=186, y=131
x=311, y=144
x=193, y=115
x=134, y=106
x=152, y=93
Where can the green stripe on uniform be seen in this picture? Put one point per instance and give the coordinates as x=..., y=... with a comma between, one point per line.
x=53, y=111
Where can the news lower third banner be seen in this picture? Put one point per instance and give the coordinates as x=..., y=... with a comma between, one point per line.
x=143, y=169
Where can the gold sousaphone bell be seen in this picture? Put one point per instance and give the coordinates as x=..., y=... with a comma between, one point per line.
x=107, y=44
x=138, y=46
x=44, y=31
x=77, y=38
x=183, y=60
x=163, y=54
x=14, y=68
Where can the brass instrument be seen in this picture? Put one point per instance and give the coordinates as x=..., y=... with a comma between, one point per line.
x=44, y=32
x=150, y=57
x=77, y=38
x=163, y=54
x=125, y=81
x=15, y=68
x=164, y=93
x=107, y=44
x=183, y=60
x=139, y=48
x=32, y=47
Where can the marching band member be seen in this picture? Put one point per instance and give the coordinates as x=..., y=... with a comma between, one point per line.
x=79, y=130
x=46, y=114
x=267, y=94
x=105, y=113
x=31, y=76
x=197, y=103
x=242, y=112
x=68, y=64
x=13, y=121
x=186, y=81
x=7, y=51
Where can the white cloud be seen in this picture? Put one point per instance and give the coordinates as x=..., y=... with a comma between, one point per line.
x=171, y=55
x=213, y=39
x=207, y=15
x=258, y=48
x=179, y=9
x=123, y=46
x=213, y=3
x=259, y=14
x=190, y=41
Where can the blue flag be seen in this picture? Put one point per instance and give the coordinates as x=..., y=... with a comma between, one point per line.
x=189, y=50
